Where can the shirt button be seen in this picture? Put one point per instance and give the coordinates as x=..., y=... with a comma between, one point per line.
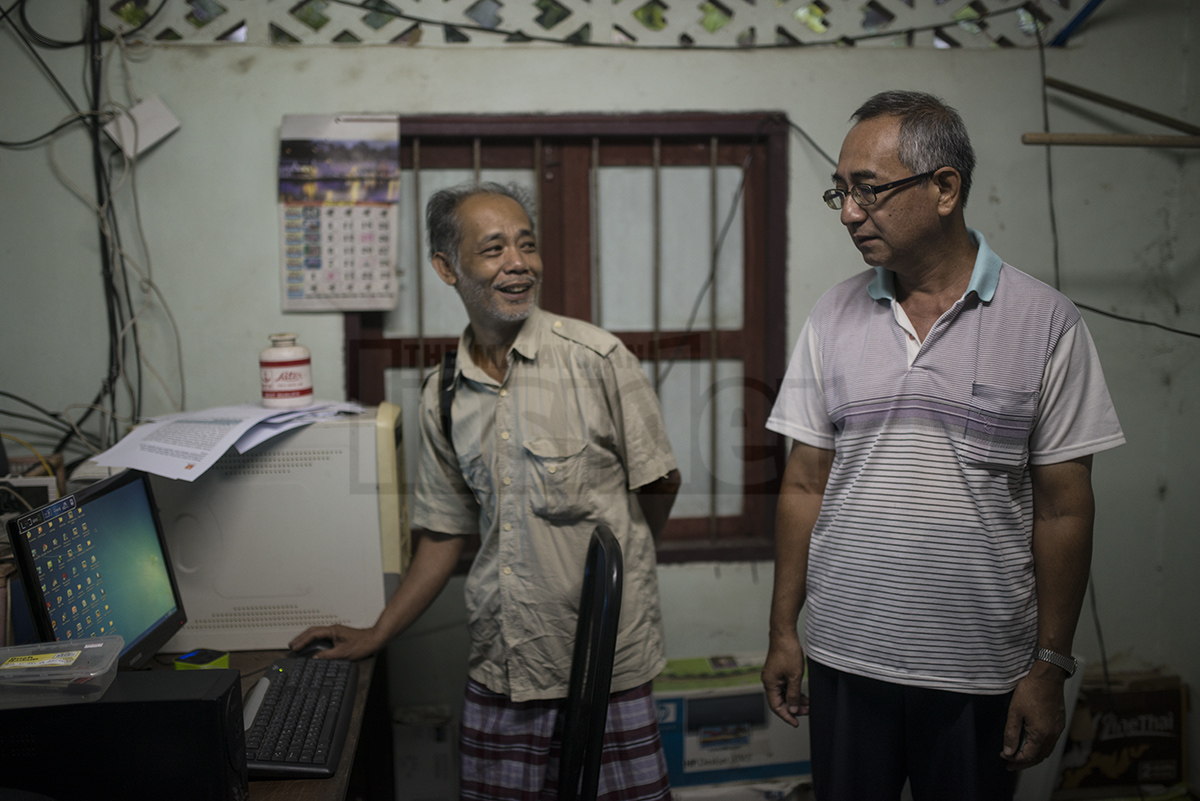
x=504, y=393
x=504, y=435
x=508, y=526
x=507, y=481
x=508, y=571
x=552, y=469
x=558, y=323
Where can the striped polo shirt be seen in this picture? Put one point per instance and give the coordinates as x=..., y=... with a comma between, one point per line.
x=920, y=566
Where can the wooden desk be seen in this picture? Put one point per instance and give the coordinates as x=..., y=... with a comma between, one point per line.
x=365, y=768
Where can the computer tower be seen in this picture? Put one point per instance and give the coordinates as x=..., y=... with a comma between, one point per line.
x=154, y=734
x=309, y=528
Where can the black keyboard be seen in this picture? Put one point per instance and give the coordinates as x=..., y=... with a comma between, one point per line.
x=297, y=717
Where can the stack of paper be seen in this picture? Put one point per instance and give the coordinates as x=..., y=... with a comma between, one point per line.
x=184, y=445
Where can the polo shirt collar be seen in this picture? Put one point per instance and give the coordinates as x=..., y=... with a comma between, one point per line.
x=985, y=275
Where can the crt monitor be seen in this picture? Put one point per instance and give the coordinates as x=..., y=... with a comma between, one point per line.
x=308, y=528
x=95, y=563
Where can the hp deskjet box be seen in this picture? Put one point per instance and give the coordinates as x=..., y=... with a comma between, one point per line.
x=154, y=734
x=716, y=727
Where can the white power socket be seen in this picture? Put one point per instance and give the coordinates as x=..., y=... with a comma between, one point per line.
x=155, y=122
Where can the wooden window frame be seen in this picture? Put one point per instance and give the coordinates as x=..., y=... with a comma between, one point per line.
x=563, y=160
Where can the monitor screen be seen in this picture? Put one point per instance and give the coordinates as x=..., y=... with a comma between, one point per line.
x=95, y=563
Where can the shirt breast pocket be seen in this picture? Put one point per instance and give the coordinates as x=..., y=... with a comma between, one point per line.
x=999, y=423
x=558, y=488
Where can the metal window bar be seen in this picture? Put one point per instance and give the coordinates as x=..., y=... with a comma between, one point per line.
x=418, y=272
x=594, y=194
x=537, y=187
x=714, y=234
x=656, y=271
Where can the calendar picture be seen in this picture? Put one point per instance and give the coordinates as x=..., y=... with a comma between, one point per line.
x=324, y=171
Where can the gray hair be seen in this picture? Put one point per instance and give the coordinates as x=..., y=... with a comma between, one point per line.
x=444, y=224
x=932, y=134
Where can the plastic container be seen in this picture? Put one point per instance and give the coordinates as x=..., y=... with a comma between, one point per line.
x=50, y=673
x=286, y=370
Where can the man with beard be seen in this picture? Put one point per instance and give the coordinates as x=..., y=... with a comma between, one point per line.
x=553, y=429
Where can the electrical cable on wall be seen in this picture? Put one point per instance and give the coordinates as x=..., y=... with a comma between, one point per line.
x=81, y=116
x=58, y=422
x=146, y=280
x=123, y=379
x=6, y=15
x=37, y=140
x=812, y=143
x=1053, y=216
x=45, y=465
x=100, y=176
x=54, y=44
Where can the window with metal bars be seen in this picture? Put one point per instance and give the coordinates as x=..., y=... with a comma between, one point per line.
x=668, y=230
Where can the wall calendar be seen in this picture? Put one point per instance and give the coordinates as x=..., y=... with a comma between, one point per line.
x=339, y=194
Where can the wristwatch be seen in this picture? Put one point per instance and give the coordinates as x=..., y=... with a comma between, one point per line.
x=1067, y=663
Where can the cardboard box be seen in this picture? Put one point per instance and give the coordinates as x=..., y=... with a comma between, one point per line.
x=796, y=788
x=717, y=728
x=1131, y=735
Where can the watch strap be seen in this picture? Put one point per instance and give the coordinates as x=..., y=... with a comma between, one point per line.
x=1067, y=663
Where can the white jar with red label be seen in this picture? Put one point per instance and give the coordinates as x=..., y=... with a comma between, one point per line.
x=286, y=370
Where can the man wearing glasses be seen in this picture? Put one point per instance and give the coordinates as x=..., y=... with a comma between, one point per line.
x=935, y=514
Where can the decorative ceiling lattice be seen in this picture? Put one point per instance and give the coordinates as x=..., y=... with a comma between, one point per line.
x=630, y=23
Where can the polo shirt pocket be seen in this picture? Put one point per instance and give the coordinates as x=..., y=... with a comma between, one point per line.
x=998, y=426
x=558, y=487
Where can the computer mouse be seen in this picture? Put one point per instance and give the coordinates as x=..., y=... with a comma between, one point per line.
x=315, y=647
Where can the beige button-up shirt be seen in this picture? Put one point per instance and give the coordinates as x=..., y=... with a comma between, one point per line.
x=537, y=462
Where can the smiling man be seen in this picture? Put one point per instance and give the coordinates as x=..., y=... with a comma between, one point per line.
x=935, y=514
x=553, y=428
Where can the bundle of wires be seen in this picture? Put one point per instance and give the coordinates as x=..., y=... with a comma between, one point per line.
x=121, y=385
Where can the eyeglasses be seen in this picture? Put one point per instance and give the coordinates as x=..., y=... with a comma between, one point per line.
x=865, y=194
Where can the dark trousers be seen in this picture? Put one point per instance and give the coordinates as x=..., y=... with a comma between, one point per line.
x=869, y=736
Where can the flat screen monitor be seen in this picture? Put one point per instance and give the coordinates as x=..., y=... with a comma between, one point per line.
x=95, y=563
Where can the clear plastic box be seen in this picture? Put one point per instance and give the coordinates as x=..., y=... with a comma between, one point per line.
x=49, y=673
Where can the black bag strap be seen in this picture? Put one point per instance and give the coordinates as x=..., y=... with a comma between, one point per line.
x=446, y=392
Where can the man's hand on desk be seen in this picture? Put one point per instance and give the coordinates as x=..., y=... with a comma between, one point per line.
x=347, y=642
x=432, y=565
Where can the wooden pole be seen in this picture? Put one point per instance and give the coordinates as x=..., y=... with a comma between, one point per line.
x=1120, y=105
x=1110, y=140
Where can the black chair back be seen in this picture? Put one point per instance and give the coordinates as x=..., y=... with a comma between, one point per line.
x=586, y=711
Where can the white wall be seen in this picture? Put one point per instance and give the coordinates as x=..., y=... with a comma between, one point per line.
x=1129, y=243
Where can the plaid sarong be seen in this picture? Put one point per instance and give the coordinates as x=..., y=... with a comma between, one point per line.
x=510, y=751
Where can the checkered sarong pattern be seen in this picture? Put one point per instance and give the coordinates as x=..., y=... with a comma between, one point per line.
x=510, y=751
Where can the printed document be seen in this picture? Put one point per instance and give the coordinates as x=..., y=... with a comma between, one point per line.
x=184, y=445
